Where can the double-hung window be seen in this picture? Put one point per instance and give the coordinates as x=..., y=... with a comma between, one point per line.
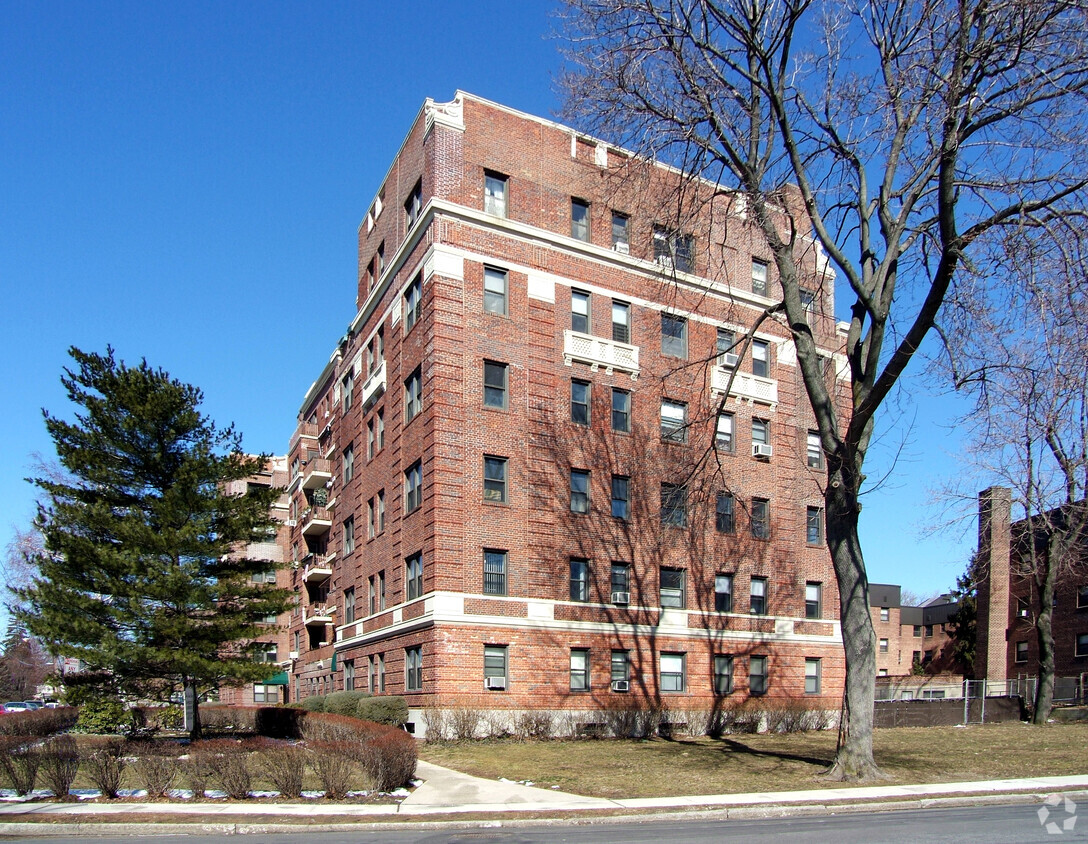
x=621, y=322
x=579, y=670
x=413, y=395
x=579, y=402
x=724, y=519
x=413, y=487
x=672, y=588
x=413, y=577
x=579, y=311
x=579, y=219
x=349, y=605
x=674, y=336
x=674, y=421
x=759, y=277
x=757, y=596
x=347, y=390
x=621, y=410
x=495, y=194
x=579, y=491
x=620, y=238
x=494, y=572
x=814, y=525
x=349, y=462
x=349, y=534
x=813, y=673
x=621, y=669
x=724, y=346
x=412, y=303
x=814, y=451
x=723, y=592
x=674, y=505
x=495, y=666
x=494, y=384
x=814, y=600
x=672, y=672
x=723, y=674
x=620, y=496
x=761, y=518
x=761, y=358
x=579, y=580
x=413, y=669
x=494, y=290
x=620, y=581
x=495, y=479
x=757, y=675
x=413, y=205
x=724, y=437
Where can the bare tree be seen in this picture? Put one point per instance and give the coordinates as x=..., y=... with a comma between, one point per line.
x=909, y=130
x=1024, y=355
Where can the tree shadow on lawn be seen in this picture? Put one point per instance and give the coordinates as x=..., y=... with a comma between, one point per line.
x=732, y=745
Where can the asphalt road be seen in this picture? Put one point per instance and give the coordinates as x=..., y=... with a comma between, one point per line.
x=964, y=825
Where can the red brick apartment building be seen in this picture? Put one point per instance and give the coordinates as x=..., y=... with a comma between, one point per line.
x=537, y=472
x=906, y=635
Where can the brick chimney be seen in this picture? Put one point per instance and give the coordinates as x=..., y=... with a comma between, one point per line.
x=994, y=548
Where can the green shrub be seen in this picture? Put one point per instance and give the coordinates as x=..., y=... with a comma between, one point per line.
x=344, y=703
x=100, y=715
x=386, y=709
x=313, y=703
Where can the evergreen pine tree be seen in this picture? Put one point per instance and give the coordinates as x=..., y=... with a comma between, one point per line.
x=144, y=574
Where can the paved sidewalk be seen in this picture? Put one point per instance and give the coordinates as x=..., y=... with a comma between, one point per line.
x=444, y=791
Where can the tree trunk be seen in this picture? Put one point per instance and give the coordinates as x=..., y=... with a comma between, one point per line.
x=854, y=757
x=1044, y=630
x=195, y=732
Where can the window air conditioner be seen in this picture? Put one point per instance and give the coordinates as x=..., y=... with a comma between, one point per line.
x=728, y=360
x=621, y=598
x=291, y=523
x=1023, y=613
x=495, y=683
x=293, y=655
x=620, y=685
x=761, y=450
x=623, y=248
x=665, y=261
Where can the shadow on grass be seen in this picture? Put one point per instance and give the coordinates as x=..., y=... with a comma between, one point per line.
x=735, y=746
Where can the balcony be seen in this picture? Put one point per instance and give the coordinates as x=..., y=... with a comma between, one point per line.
x=317, y=472
x=374, y=386
x=316, y=521
x=745, y=386
x=318, y=616
x=316, y=569
x=600, y=352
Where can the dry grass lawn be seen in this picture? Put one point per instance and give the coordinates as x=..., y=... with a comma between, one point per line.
x=747, y=763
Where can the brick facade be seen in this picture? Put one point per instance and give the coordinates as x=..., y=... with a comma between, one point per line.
x=599, y=350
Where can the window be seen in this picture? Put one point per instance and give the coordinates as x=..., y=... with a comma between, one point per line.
x=723, y=674
x=621, y=322
x=674, y=505
x=349, y=605
x=349, y=675
x=380, y=662
x=814, y=525
x=620, y=240
x=620, y=493
x=494, y=572
x=371, y=519
x=372, y=601
x=381, y=589
x=761, y=432
x=298, y=641
x=1021, y=651
x=814, y=600
x=413, y=396
x=413, y=577
x=579, y=491
x=494, y=194
x=814, y=452
x=808, y=300
x=495, y=665
x=723, y=437
x=757, y=596
x=621, y=410
x=1082, y=596
x=268, y=653
x=1081, y=645
x=412, y=300
x=579, y=219
x=885, y=614
x=724, y=345
x=379, y=425
x=759, y=277
x=372, y=674
x=380, y=257
x=370, y=439
x=579, y=402
x=757, y=675
x=672, y=672
x=674, y=336
x=264, y=576
x=579, y=580
x=674, y=421
x=579, y=311
x=349, y=462
x=495, y=479
x=349, y=534
x=348, y=391
x=761, y=358
x=494, y=290
x=413, y=205
x=929, y=630
x=381, y=510
x=413, y=669
x=724, y=520
x=674, y=249
x=723, y=593
x=579, y=670
x=813, y=672
x=932, y=694
x=883, y=646
x=620, y=579
x=494, y=384
x=672, y=588
x=413, y=487
x=761, y=518
x=621, y=668
x=917, y=632
x=263, y=693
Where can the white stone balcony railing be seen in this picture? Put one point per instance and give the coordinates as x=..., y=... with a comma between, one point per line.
x=600, y=352
x=318, y=615
x=318, y=569
x=374, y=386
x=317, y=472
x=745, y=386
x=316, y=521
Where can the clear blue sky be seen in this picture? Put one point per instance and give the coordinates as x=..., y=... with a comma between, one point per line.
x=185, y=181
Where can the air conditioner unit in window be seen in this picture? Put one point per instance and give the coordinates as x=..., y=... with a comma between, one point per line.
x=761, y=450
x=1024, y=613
x=728, y=360
x=620, y=686
x=293, y=655
x=291, y=523
x=495, y=683
x=623, y=248
x=665, y=261
x=621, y=598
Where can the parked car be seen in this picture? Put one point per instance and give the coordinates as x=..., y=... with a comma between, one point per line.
x=15, y=706
x=33, y=704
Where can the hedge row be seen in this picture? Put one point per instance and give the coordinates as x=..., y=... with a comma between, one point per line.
x=384, y=709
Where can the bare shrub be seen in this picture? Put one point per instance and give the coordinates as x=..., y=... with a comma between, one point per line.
x=234, y=720
x=336, y=765
x=497, y=724
x=436, y=722
x=156, y=766
x=622, y=719
x=534, y=724
x=19, y=758
x=465, y=722
x=39, y=722
x=284, y=766
x=227, y=765
x=197, y=773
x=59, y=765
x=105, y=766
x=389, y=759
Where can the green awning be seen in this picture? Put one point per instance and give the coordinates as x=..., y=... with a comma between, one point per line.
x=277, y=679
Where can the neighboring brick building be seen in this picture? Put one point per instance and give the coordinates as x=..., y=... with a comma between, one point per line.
x=910, y=635
x=497, y=487
x=274, y=642
x=1008, y=604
